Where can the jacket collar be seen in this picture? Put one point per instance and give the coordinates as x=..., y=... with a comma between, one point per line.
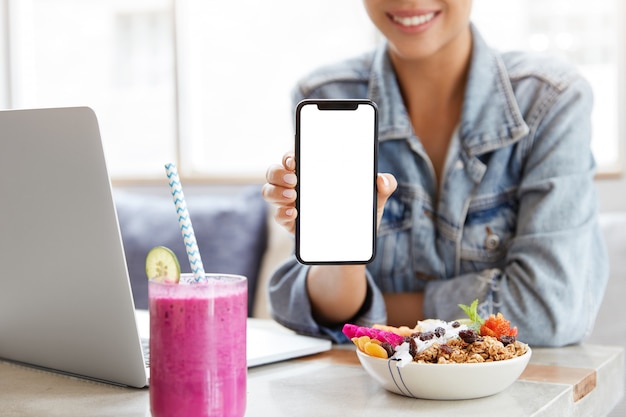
x=490, y=116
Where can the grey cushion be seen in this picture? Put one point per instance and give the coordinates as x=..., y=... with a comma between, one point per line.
x=231, y=232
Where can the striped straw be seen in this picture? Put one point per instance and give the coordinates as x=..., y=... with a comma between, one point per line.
x=185, y=223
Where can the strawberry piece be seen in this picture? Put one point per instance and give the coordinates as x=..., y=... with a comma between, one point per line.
x=497, y=326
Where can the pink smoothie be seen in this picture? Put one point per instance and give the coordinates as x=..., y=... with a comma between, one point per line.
x=198, y=349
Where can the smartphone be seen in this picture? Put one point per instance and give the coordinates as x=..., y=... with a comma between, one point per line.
x=336, y=163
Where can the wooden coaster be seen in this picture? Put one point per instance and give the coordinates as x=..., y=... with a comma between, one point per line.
x=583, y=380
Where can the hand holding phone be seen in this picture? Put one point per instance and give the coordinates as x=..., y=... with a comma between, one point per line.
x=336, y=153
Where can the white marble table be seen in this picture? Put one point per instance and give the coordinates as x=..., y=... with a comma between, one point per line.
x=581, y=381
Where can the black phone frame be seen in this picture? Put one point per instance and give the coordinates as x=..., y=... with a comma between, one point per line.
x=336, y=104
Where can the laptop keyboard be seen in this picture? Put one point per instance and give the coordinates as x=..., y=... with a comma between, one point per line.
x=145, y=347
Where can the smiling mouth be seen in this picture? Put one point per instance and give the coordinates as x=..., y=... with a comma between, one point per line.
x=411, y=21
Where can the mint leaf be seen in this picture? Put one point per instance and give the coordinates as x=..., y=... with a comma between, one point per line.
x=472, y=313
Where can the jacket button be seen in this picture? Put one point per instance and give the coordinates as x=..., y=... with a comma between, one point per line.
x=492, y=241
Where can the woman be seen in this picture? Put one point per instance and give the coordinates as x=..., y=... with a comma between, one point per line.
x=488, y=188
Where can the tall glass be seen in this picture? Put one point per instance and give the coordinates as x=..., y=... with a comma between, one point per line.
x=198, y=347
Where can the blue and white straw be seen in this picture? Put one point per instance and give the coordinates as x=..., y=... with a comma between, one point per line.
x=185, y=223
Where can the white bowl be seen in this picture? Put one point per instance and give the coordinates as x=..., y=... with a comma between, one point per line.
x=454, y=381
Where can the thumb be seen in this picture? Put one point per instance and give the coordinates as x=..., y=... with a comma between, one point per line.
x=386, y=184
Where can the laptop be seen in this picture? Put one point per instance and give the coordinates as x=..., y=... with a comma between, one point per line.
x=65, y=296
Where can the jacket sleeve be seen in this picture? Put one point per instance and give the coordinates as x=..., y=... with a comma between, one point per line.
x=556, y=265
x=290, y=305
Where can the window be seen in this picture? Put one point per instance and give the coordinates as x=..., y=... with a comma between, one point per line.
x=238, y=64
x=207, y=84
x=115, y=56
x=587, y=36
x=4, y=63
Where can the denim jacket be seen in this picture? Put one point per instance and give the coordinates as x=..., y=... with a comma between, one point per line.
x=514, y=223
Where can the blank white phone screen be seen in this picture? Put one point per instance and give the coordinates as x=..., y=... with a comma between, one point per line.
x=336, y=184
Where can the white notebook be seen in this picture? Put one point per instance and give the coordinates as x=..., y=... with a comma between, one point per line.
x=65, y=295
x=266, y=340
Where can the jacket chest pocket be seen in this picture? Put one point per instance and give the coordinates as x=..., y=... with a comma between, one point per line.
x=487, y=233
x=391, y=268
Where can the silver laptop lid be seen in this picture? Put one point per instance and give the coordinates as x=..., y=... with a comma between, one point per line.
x=65, y=297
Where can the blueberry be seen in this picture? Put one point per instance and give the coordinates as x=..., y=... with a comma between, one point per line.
x=440, y=331
x=507, y=340
x=469, y=336
x=426, y=336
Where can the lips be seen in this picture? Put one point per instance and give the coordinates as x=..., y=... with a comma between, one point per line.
x=412, y=19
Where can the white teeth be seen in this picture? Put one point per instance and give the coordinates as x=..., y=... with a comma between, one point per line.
x=414, y=20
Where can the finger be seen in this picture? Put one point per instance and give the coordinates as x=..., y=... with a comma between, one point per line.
x=286, y=217
x=386, y=184
x=279, y=176
x=280, y=196
x=289, y=161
